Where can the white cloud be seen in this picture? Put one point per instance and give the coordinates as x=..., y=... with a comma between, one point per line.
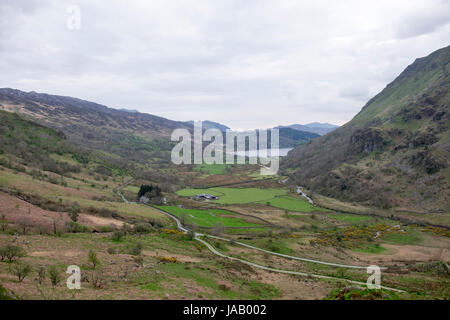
x=244, y=63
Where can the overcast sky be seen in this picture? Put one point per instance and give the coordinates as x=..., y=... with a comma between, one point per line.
x=244, y=63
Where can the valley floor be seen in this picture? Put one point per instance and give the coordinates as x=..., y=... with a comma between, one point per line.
x=142, y=255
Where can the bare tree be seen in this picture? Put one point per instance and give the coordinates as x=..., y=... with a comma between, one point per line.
x=11, y=252
x=41, y=271
x=4, y=223
x=54, y=226
x=54, y=275
x=20, y=269
x=24, y=225
x=92, y=259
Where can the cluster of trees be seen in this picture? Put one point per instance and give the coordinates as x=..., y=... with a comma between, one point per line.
x=149, y=191
x=12, y=254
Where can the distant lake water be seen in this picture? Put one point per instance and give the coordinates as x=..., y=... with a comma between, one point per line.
x=282, y=152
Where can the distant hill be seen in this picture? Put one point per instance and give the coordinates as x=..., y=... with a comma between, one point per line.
x=206, y=124
x=395, y=152
x=62, y=111
x=321, y=125
x=314, y=127
x=131, y=135
x=290, y=137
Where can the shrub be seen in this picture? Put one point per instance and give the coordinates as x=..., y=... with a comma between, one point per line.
x=117, y=235
x=42, y=230
x=97, y=279
x=6, y=294
x=73, y=215
x=126, y=228
x=73, y=227
x=41, y=271
x=223, y=287
x=3, y=223
x=168, y=259
x=92, y=258
x=104, y=212
x=112, y=250
x=11, y=252
x=106, y=229
x=54, y=275
x=136, y=249
x=139, y=260
x=142, y=228
x=20, y=269
x=59, y=233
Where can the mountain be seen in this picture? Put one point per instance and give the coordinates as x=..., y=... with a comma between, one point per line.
x=62, y=111
x=206, y=124
x=130, y=135
x=291, y=138
x=23, y=142
x=129, y=110
x=321, y=128
x=321, y=125
x=314, y=127
x=395, y=152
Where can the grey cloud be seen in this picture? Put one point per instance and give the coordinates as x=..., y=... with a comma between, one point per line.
x=244, y=63
x=426, y=21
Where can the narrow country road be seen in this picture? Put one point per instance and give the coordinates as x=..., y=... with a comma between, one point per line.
x=197, y=237
x=212, y=249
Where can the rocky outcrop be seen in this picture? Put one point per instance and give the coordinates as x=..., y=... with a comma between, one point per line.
x=367, y=140
x=426, y=161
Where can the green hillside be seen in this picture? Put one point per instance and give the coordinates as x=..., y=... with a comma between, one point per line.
x=394, y=152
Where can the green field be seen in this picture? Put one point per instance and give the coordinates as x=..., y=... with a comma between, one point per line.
x=412, y=236
x=133, y=189
x=211, y=168
x=207, y=218
x=236, y=195
x=371, y=248
x=292, y=204
x=350, y=218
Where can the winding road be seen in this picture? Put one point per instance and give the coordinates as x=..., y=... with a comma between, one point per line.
x=197, y=237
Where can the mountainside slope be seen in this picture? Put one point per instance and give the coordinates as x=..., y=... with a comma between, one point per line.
x=132, y=136
x=394, y=152
x=67, y=110
x=25, y=142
